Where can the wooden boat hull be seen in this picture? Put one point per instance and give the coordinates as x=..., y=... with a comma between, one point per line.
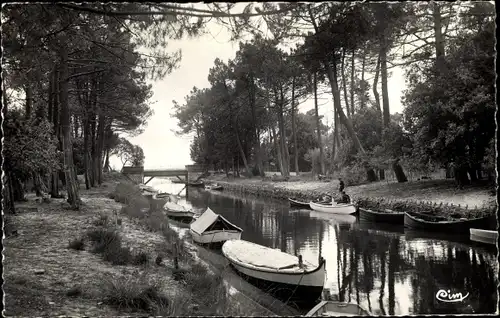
x=217, y=236
x=196, y=184
x=299, y=287
x=298, y=204
x=335, y=208
x=423, y=222
x=382, y=217
x=334, y=308
x=216, y=188
x=484, y=236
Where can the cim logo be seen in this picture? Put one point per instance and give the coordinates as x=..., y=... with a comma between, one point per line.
x=448, y=297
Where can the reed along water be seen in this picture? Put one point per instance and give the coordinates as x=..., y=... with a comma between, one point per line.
x=386, y=269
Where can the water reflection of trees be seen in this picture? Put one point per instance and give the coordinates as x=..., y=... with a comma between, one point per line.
x=369, y=262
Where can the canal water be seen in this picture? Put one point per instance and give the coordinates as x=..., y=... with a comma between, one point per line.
x=386, y=269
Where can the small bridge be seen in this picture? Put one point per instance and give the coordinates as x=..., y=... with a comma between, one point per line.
x=151, y=173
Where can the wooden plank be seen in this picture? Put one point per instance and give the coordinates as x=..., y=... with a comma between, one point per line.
x=149, y=180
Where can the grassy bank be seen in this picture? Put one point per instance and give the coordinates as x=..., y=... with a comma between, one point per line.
x=109, y=258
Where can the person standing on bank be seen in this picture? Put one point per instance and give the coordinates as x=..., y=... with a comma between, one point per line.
x=341, y=185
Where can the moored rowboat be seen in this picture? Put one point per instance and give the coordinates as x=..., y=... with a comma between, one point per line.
x=388, y=216
x=339, y=208
x=178, y=212
x=297, y=203
x=419, y=221
x=213, y=228
x=215, y=187
x=283, y=274
x=196, y=184
x=484, y=236
x=335, y=308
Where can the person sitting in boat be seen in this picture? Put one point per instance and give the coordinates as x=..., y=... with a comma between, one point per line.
x=344, y=198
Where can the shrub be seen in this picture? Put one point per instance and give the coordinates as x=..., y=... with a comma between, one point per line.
x=118, y=255
x=77, y=244
x=141, y=258
x=74, y=291
x=102, y=221
x=135, y=294
x=104, y=239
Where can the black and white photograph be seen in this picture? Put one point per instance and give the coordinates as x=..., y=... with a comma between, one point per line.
x=249, y=159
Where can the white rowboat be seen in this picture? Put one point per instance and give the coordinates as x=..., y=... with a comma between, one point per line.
x=176, y=210
x=484, y=236
x=284, y=273
x=338, y=208
x=334, y=308
x=213, y=228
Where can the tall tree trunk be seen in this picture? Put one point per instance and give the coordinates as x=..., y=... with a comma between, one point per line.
x=100, y=146
x=29, y=100
x=93, y=131
x=71, y=185
x=278, y=150
x=318, y=128
x=76, y=125
x=375, y=87
x=362, y=96
x=86, y=163
x=242, y=153
x=54, y=118
x=352, y=81
x=344, y=83
x=283, y=144
x=258, y=151
x=383, y=74
x=438, y=35
x=294, y=131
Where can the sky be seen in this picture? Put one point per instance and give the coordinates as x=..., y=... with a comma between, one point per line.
x=162, y=148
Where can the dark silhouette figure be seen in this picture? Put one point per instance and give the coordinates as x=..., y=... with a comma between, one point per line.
x=341, y=185
x=344, y=198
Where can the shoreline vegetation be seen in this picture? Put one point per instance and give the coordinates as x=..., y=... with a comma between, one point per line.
x=112, y=257
x=436, y=196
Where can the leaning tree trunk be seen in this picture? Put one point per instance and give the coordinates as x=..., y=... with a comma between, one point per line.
x=242, y=153
x=318, y=124
x=86, y=163
x=375, y=84
x=283, y=143
x=294, y=131
x=100, y=147
x=362, y=97
x=332, y=77
x=71, y=184
x=352, y=81
x=344, y=83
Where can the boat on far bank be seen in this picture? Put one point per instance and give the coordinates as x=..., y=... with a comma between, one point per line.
x=298, y=204
x=484, y=236
x=386, y=216
x=213, y=186
x=426, y=222
x=339, y=208
x=328, y=308
x=196, y=184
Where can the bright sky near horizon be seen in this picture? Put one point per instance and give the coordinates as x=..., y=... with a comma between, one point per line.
x=162, y=148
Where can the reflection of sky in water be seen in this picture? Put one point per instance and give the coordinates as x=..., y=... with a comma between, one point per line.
x=362, y=258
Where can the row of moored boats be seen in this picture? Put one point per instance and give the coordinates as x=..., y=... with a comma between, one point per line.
x=288, y=276
x=480, y=229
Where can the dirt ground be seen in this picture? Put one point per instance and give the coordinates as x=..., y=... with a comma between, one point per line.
x=435, y=191
x=40, y=269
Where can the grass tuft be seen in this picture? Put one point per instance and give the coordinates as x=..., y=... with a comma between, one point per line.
x=135, y=294
x=74, y=291
x=77, y=244
x=141, y=258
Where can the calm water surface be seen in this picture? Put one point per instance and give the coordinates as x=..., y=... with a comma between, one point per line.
x=387, y=270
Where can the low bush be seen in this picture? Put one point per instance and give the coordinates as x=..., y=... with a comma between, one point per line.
x=77, y=244
x=102, y=221
x=74, y=291
x=141, y=258
x=103, y=239
x=136, y=294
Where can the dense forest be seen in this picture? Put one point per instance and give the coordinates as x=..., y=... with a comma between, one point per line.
x=249, y=114
x=75, y=78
